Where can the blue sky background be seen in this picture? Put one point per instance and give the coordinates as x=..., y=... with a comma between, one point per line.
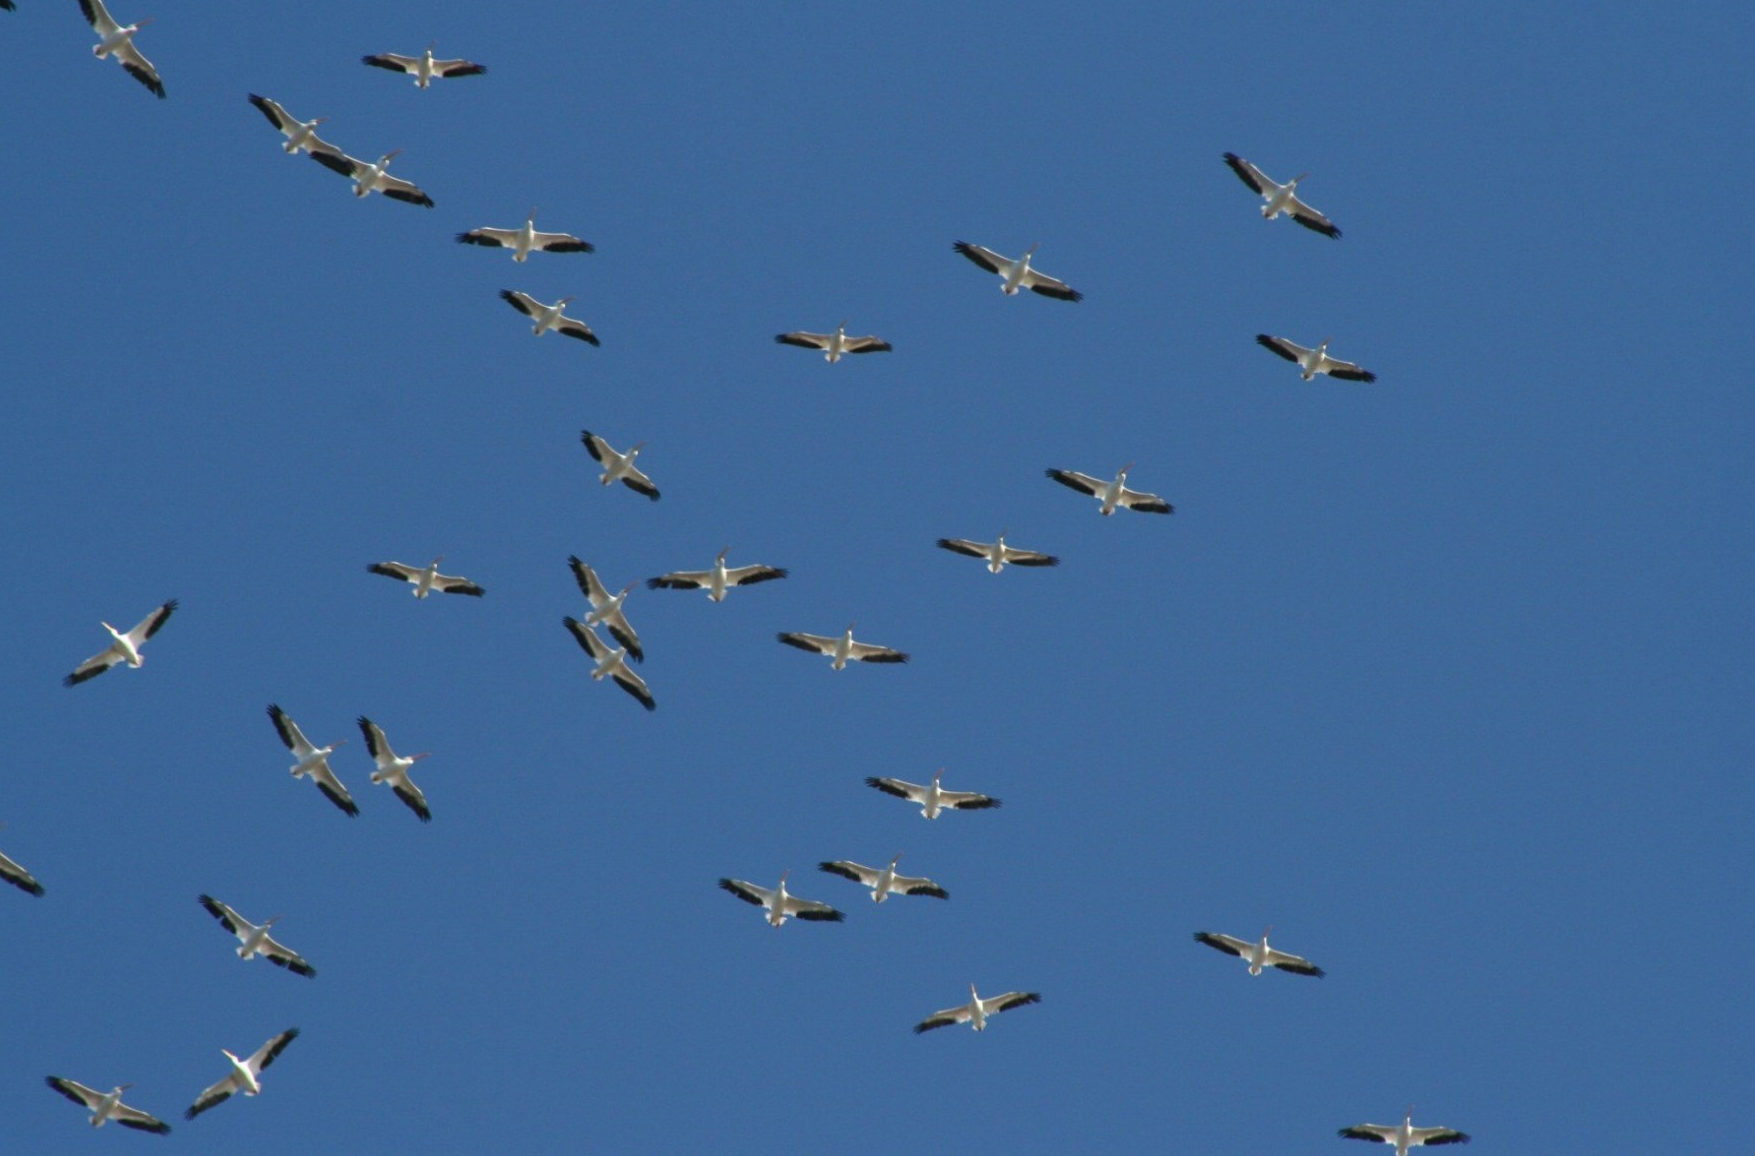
x=1447, y=677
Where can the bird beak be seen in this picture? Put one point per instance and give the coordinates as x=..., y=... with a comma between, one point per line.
x=938, y=774
x=419, y=757
x=1127, y=467
x=392, y=153
x=1299, y=177
x=564, y=301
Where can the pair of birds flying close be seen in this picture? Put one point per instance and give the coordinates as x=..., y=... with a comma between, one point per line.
x=313, y=761
x=245, y=1076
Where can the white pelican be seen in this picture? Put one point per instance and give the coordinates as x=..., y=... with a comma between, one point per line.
x=1018, y=274
x=107, y=1105
x=1259, y=954
x=254, y=940
x=393, y=768
x=932, y=797
x=1314, y=361
x=525, y=240
x=312, y=760
x=779, y=904
x=977, y=1010
x=998, y=554
x=12, y=873
x=717, y=580
x=370, y=175
x=125, y=648
x=841, y=649
x=245, y=1076
x=618, y=467
x=426, y=579
x=300, y=134
x=834, y=345
x=613, y=663
x=1281, y=198
x=1114, y=493
x=606, y=608
x=549, y=317
x=1405, y=1135
x=884, y=881
x=423, y=67
x=117, y=40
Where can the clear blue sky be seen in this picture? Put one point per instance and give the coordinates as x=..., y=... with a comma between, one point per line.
x=1447, y=677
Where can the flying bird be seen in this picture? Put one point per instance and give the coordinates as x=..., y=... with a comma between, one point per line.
x=884, y=881
x=245, y=1076
x=1281, y=198
x=1018, y=274
x=1314, y=361
x=254, y=940
x=312, y=760
x=781, y=906
x=125, y=648
x=606, y=608
x=300, y=134
x=423, y=67
x=1114, y=493
x=1259, y=954
x=525, y=240
x=426, y=579
x=997, y=554
x=393, y=768
x=834, y=345
x=117, y=41
x=977, y=1011
x=549, y=317
x=1405, y=1135
x=107, y=1105
x=932, y=798
x=617, y=466
x=12, y=873
x=843, y=649
x=717, y=580
x=610, y=663
x=373, y=175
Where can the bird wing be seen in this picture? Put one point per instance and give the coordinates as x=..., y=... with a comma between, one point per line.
x=1311, y=219
x=573, y=327
x=589, y=584
x=1346, y=370
x=392, y=61
x=1249, y=174
x=1431, y=1136
x=149, y=626
x=982, y=256
x=871, y=652
x=395, y=570
x=594, y=445
x=815, y=643
x=277, y=116
x=1083, y=483
x=966, y=800
x=95, y=665
x=811, y=910
x=231, y=919
x=912, y=885
x=135, y=64
x=805, y=340
x=963, y=546
x=332, y=788
x=617, y=625
x=587, y=639
x=504, y=238
x=748, y=892
x=750, y=575
x=944, y=1019
x=453, y=584
x=898, y=788
x=217, y=1094
x=866, y=344
x=138, y=1120
x=992, y=1005
x=75, y=1091
x=848, y=869
x=1018, y=557
x=281, y=955
x=1225, y=943
x=19, y=877
x=635, y=685
x=1383, y=1134
x=376, y=744
x=1050, y=287
x=289, y=732
x=1144, y=503
x=1290, y=350
x=270, y=1051
x=458, y=68
x=1296, y=964
x=398, y=189
x=680, y=580
x=638, y=482
x=98, y=17
x=560, y=243
x=341, y=163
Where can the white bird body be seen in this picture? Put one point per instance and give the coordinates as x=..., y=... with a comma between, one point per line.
x=834, y=345
x=1405, y=1135
x=525, y=240
x=1311, y=362
x=997, y=554
x=718, y=580
x=884, y=880
x=781, y=906
x=423, y=67
x=254, y=940
x=1258, y=954
x=300, y=134
x=1114, y=494
x=392, y=768
x=606, y=608
x=610, y=663
x=124, y=646
x=932, y=797
x=1017, y=274
x=1280, y=198
x=374, y=176
x=106, y=1106
x=843, y=649
x=977, y=1011
x=117, y=40
x=426, y=579
x=617, y=466
x=313, y=760
x=245, y=1075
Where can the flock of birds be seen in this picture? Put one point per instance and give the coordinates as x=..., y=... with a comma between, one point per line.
x=607, y=611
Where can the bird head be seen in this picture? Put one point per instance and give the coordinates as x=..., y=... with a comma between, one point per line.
x=937, y=775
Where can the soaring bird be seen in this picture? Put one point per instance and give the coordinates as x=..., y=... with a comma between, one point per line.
x=1017, y=274
x=426, y=579
x=124, y=648
x=1405, y=1135
x=1113, y=494
x=300, y=134
x=617, y=466
x=833, y=345
x=932, y=798
x=549, y=317
x=781, y=906
x=606, y=608
x=107, y=1105
x=117, y=41
x=393, y=768
x=245, y=1076
x=843, y=649
x=312, y=760
x=611, y=663
x=884, y=881
x=717, y=580
x=977, y=1011
x=254, y=939
x=997, y=554
x=525, y=240
x=1259, y=954
x=1281, y=198
x=423, y=67
x=370, y=176
x=1313, y=361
